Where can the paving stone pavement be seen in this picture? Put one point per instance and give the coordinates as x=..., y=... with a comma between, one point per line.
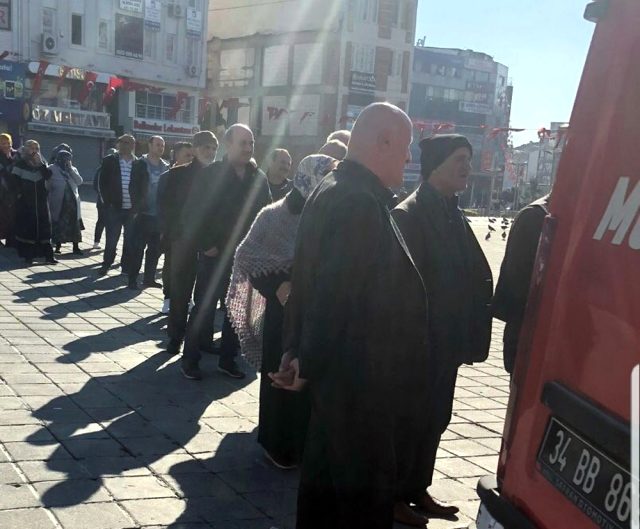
x=99, y=430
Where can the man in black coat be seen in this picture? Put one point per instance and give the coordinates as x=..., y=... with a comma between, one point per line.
x=173, y=193
x=223, y=203
x=459, y=286
x=356, y=331
x=113, y=181
x=512, y=290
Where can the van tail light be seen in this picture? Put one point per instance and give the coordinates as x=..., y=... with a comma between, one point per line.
x=526, y=337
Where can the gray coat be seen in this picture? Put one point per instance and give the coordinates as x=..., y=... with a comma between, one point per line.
x=56, y=187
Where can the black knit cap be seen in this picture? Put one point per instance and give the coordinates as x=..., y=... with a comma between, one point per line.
x=436, y=149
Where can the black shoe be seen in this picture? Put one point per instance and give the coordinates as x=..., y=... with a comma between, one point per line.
x=77, y=251
x=133, y=284
x=152, y=284
x=173, y=347
x=102, y=271
x=57, y=250
x=191, y=372
x=28, y=262
x=51, y=261
x=231, y=369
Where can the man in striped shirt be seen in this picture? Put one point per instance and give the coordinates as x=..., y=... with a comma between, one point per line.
x=114, y=178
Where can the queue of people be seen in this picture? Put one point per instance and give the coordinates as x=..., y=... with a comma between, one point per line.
x=356, y=308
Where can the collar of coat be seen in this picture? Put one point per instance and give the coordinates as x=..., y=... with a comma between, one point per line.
x=430, y=196
x=368, y=179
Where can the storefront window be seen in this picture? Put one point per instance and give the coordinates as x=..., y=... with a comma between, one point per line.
x=161, y=107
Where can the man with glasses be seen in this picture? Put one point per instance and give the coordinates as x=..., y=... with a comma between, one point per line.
x=224, y=201
x=114, y=179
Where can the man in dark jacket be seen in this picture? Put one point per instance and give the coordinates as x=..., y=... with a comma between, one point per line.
x=278, y=174
x=459, y=287
x=114, y=179
x=182, y=154
x=512, y=289
x=224, y=201
x=356, y=331
x=8, y=156
x=145, y=178
x=173, y=193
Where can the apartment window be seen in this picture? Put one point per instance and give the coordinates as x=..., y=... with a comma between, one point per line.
x=103, y=35
x=406, y=16
x=160, y=106
x=395, y=13
x=368, y=10
x=149, y=46
x=395, y=68
x=5, y=16
x=363, y=58
x=76, y=29
x=171, y=50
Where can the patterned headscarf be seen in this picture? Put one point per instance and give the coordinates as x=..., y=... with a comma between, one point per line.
x=310, y=171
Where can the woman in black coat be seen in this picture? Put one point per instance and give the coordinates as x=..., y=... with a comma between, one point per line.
x=33, y=219
x=8, y=157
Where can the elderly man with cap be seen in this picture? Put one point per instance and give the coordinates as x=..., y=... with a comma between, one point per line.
x=459, y=287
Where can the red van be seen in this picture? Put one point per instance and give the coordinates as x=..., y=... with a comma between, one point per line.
x=567, y=452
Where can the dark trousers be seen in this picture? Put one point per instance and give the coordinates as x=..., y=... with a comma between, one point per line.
x=439, y=417
x=184, y=266
x=166, y=271
x=324, y=504
x=144, y=233
x=97, y=235
x=211, y=284
x=116, y=220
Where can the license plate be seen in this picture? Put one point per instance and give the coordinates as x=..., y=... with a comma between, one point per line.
x=595, y=483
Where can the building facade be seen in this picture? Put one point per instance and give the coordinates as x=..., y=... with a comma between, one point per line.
x=294, y=87
x=96, y=69
x=466, y=92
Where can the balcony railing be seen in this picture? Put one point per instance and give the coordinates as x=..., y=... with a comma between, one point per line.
x=71, y=117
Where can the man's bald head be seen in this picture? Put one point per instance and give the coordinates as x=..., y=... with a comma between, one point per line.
x=380, y=141
x=239, y=144
x=340, y=135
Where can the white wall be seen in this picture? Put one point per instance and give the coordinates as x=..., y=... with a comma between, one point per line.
x=90, y=56
x=228, y=20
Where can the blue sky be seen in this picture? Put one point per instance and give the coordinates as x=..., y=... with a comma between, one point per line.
x=543, y=42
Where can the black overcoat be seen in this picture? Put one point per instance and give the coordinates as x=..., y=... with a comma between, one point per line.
x=33, y=218
x=357, y=320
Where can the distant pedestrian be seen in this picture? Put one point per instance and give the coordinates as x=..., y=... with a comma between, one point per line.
x=181, y=154
x=33, y=219
x=114, y=179
x=263, y=263
x=459, y=288
x=224, y=201
x=278, y=174
x=512, y=290
x=341, y=135
x=145, y=231
x=175, y=222
x=8, y=156
x=64, y=202
x=334, y=148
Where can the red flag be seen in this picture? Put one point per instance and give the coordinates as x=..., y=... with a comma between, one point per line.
x=181, y=97
x=204, y=104
x=276, y=113
x=3, y=54
x=37, y=81
x=63, y=75
x=89, y=83
x=306, y=115
x=110, y=90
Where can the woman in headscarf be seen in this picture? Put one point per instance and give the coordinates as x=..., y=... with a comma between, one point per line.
x=8, y=156
x=57, y=149
x=255, y=301
x=64, y=202
x=33, y=219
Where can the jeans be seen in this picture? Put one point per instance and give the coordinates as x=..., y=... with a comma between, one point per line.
x=116, y=220
x=144, y=233
x=211, y=284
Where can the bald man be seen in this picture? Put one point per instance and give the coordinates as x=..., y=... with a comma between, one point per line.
x=341, y=135
x=224, y=201
x=355, y=334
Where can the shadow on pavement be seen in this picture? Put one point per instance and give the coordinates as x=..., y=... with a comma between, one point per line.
x=237, y=486
x=122, y=424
